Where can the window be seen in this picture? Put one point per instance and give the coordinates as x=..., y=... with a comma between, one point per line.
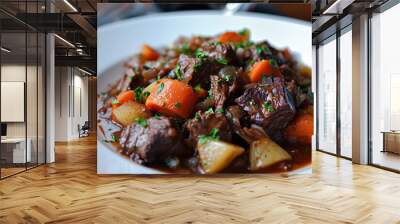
x=346, y=94
x=327, y=97
x=385, y=89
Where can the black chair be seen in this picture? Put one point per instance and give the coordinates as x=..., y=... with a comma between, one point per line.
x=84, y=130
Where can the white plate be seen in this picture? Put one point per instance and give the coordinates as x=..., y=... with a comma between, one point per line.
x=117, y=41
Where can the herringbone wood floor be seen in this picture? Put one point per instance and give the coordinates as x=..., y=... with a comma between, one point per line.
x=70, y=191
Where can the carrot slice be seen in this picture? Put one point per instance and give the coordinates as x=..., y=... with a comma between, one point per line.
x=126, y=96
x=261, y=68
x=232, y=37
x=172, y=98
x=301, y=129
x=149, y=53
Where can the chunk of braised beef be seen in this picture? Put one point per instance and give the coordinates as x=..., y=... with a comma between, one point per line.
x=154, y=142
x=108, y=128
x=269, y=105
x=193, y=70
x=219, y=91
x=222, y=53
x=231, y=76
x=205, y=104
x=203, y=123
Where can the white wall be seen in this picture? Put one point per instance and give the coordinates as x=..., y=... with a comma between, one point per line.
x=71, y=93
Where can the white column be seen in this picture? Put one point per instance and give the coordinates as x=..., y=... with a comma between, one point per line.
x=50, y=92
x=360, y=90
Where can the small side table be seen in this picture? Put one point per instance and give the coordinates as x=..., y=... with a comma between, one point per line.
x=391, y=141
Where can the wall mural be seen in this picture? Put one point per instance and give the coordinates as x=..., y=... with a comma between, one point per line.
x=204, y=92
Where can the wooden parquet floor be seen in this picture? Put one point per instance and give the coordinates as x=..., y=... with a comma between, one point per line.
x=70, y=191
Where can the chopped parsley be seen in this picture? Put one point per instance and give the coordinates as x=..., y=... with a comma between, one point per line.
x=263, y=49
x=142, y=122
x=197, y=116
x=185, y=49
x=214, y=135
x=210, y=96
x=115, y=101
x=244, y=32
x=158, y=77
x=228, y=78
x=197, y=66
x=220, y=110
x=244, y=44
x=264, y=78
x=114, y=138
x=178, y=72
x=198, y=88
x=273, y=63
x=138, y=94
x=200, y=54
x=146, y=94
x=157, y=116
x=222, y=61
x=178, y=105
x=268, y=107
x=209, y=111
x=160, y=88
x=215, y=43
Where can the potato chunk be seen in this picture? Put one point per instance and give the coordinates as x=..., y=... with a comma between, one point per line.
x=265, y=153
x=216, y=155
x=129, y=112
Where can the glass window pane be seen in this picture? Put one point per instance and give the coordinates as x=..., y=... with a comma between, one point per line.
x=327, y=97
x=31, y=97
x=13, y=85
x=346, y=94
x=385, y=84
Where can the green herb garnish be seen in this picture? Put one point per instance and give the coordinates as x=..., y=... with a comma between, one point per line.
x=215, y=43
x=197, y=116
x=269, y=107
x=160, y=88
x=200, y=54
x=222, y=61
x=115, y=101
x=214, y=135
x=146, y=94
x=142, y=122
x=185, y=49
x=178, y=72
x=114, y=138
x=244, y=44
x=264, y=78
x=262, y=49
x=273, y=63
x=244, y=32
x=220, y=110
x=198, y=88
x=209, y=111
x=210, y=96
x=157, y=116
x=197, y=66
x=228, y=78
x=138, y=94
x=178, y=105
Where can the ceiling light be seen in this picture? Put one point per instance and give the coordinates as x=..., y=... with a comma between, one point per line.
x=65, y=41
x=5, y=50
x=84, y=71
x=70, y=5
x=337, y=7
